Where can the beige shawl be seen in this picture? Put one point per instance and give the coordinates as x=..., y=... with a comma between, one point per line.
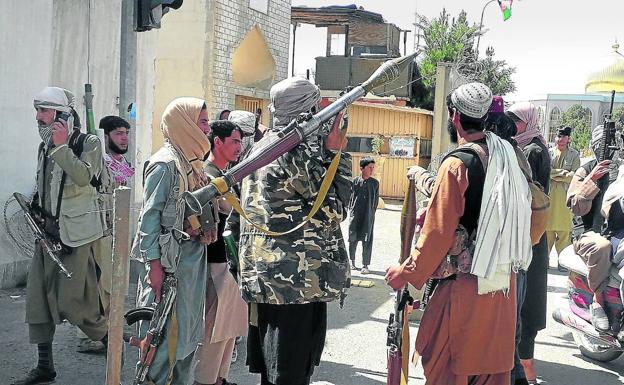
x=179, y=126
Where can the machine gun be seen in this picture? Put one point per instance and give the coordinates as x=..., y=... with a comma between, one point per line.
x=52, y=247
x=158, y=315
x=275, y=145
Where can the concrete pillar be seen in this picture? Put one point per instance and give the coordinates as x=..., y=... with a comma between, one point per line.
x=441, y=139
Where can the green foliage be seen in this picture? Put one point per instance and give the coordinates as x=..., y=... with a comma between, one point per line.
x=451, y=39
x=618, y=116
x=579, y=118
x=446, y=41
x=496, y=74
x=376, y=144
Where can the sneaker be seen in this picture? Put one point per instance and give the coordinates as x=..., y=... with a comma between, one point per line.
x=88, y=346
x=353, y=265
x=37, y=376
x=365, y=270
x=599, y=318
x=234, y=355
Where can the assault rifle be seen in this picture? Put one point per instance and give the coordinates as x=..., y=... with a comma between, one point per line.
x=608, y=144
x=53, y=248
x=398, y=326
x=158, y=315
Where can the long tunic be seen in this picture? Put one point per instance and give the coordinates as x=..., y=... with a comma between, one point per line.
x=51, y=297
x=363, y=204
x=564, y=164
x=478, y=330
x=191, y=268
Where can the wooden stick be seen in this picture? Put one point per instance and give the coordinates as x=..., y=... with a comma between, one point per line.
x=119, y=288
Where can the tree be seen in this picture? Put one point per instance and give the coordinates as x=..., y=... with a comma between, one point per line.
x=496, y=74
x=579, y=118
x=450, y=39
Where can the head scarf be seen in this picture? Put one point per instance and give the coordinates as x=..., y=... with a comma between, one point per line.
x=59, y=99
x=246, y=121
x=596, y=137
x=472, y=99
x=179, y=126
x=291, y=97
x=527, y=112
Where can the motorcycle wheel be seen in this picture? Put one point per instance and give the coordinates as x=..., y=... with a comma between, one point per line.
x=595, y=349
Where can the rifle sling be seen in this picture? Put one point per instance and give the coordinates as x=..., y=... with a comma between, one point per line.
x=327, y=181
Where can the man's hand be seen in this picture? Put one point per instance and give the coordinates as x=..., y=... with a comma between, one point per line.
x=155, y=277
x=421, y=214
x=415, y=172
x=60, y=132
x=208, y=236
x=393, y=277
x=600, y=170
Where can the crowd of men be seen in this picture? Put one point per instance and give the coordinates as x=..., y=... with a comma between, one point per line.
x=487, y=236
x=287, y=265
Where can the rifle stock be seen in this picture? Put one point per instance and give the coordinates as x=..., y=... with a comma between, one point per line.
x=49, y=247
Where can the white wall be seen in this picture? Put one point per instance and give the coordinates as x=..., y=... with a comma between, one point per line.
x=25, y=48
x=44, y=42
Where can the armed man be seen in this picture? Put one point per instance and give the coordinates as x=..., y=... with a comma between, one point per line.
x=67, y=203
x=473, y=307
x=171, y=249
x=584, y=198
x=288, y=279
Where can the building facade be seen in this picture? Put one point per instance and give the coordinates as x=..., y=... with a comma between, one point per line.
x=596, y=99
x=228, y=52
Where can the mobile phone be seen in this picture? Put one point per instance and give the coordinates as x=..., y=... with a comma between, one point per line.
x=61, y=115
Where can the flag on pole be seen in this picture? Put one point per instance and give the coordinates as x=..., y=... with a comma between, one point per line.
x=505, y=6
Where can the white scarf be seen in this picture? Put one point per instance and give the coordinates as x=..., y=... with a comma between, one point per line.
x=503, y=233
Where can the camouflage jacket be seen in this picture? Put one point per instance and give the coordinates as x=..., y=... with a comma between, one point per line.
x=311, y=263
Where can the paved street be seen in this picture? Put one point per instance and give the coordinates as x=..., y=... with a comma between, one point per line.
x=355, y=353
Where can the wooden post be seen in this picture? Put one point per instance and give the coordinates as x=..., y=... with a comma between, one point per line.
x=119, y=288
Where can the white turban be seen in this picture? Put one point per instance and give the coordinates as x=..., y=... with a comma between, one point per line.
x=55, y=98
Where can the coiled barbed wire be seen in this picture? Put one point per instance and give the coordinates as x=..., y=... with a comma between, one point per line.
x=17, y=230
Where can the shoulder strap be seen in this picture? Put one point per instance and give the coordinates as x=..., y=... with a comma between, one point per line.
x=472, y=148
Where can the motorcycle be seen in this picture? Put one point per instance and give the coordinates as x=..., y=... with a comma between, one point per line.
x=593, y=344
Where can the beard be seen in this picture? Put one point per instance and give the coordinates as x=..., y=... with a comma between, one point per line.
x=114, y=148
x=452, y=132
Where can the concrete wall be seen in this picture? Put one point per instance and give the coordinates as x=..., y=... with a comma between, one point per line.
x=46, y=42
x=194, y=51
x=24, y=71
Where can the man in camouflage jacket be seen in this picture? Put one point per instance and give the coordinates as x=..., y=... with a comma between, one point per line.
x=305, y=268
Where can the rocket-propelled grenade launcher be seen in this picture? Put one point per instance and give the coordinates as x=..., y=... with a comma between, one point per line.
x=278, y=143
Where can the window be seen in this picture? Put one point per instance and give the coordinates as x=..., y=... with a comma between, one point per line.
x=337, y=44
x=359, y=144
x=260, y=5
x=553, y=125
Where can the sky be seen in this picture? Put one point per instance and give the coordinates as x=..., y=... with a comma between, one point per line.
x=554, y=44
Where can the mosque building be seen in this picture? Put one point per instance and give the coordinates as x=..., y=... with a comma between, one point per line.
x=597, y=96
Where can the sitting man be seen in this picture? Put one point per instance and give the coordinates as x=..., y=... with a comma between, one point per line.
x=585, y=198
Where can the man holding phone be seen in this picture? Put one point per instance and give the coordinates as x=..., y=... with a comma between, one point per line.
x=66, y=201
